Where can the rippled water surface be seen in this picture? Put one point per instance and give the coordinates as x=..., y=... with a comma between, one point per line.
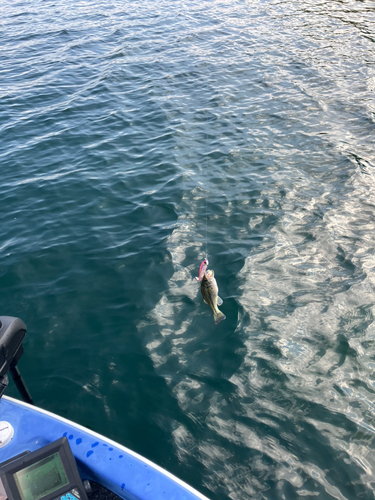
x=134, y=138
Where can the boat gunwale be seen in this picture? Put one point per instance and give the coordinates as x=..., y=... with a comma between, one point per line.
x=111, y=442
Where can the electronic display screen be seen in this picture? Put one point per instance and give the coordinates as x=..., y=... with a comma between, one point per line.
x=40, y=479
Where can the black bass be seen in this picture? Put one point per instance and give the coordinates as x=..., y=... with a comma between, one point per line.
x=209, y=290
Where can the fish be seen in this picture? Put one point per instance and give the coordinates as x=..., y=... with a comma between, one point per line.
x=209, y=290
x=202, y=270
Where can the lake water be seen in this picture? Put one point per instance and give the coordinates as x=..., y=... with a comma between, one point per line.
x=137, y=137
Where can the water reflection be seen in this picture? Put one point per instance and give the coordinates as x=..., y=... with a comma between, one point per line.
x=244, y=130
x=300, y=391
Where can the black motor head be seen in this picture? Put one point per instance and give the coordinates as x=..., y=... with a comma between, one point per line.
x=12, y=333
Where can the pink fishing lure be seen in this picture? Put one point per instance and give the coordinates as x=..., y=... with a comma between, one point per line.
x=202, y=270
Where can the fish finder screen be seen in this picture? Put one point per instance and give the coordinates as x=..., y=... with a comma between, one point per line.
x=41, y=478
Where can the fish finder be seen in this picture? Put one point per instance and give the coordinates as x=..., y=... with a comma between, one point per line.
x=49, y=473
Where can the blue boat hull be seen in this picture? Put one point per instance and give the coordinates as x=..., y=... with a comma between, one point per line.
x=119, y=469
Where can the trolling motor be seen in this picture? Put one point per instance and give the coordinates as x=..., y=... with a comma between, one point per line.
x=49, y=472
x=12, y=333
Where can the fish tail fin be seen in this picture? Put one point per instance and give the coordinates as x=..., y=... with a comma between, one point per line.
x=219, y=316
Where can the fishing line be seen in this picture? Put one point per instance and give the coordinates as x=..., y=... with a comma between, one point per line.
x=206, y=231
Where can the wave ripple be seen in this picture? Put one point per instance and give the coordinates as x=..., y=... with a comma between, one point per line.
x=136, y=137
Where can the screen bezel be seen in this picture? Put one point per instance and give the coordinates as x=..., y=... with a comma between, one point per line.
x=60, y=446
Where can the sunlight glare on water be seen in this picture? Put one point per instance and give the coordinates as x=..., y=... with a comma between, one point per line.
x=139, y=137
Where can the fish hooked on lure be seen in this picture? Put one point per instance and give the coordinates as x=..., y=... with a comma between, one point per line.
x=202, y=270
x=209, y=290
